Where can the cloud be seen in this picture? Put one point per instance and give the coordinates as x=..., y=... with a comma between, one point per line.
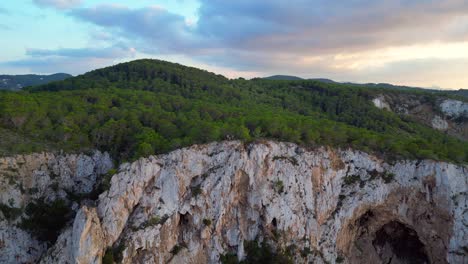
x=322, y=38
x=58, y=4
x=49, y=65
x=75, y=61
x=295, y=27
x=102, y=53
x=169, y=32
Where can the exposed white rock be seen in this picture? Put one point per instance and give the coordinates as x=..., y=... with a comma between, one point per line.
x=27, y=177
x=454, y=108
x=439, y=123
x=381, y=103
x=283, y=194
x=322, y=204
x=82, y=243
x=88, y=244
x=17, y=246
x=24, y=178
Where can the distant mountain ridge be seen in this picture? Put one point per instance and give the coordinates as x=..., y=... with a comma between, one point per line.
x=17, y=82
x=460, y=92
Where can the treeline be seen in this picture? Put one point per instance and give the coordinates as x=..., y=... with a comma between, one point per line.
x=146, y=107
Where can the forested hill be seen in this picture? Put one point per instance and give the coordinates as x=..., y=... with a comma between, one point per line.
x=17, y=82
x=140, y=74
x=148, y=106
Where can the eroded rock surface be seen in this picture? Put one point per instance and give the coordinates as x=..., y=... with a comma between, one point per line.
x=25, y=179
x=448, y=115
x=322, y=206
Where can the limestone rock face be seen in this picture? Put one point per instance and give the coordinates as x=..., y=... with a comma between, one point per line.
x=322, y=206
x=454, y=108
x=82, y=243
x=87, y=237
x=380, y=103
x=17, y=246
x=439, y=123
x=443, y=114
x=27, y=178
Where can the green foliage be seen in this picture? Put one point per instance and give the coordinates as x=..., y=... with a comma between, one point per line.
x=113, y=254
x=229, y=258
x=196, y=190
x=45, y=220
x=10, y=212
x=149, y=107
x=278, y=185
x=177, y=248
x=351, y=179
x=108, y=257
x=388, y=177
x=263, y=253
x=155, y=220
x=207, y=222
x=339, y=259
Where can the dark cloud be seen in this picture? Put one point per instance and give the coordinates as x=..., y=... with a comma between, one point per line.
x=226, y=28
x=118, y=51
x=163, y=31
x=75, y=61
x=297, y=36
x=58, y=4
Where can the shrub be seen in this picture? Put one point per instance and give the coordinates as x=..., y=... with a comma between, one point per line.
x=278, y=186
x=113, y=254
x=196, y=190
x=177, y=248
x=207, y=222
x=45, y=220
x=108, y=257
x=263, y=253
x=229, y=258
x=388, y=177
x=351, y=179
x=155, y=220
x=10, y=212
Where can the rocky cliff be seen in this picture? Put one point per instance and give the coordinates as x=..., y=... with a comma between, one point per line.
x=448, y=115
x=29, y=182
x=209, y=202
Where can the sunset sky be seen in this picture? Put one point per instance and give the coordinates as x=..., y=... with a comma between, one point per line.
x=411, y=42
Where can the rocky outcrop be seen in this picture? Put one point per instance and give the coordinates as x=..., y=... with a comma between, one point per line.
x=443, y=114
x=25, y=179
x=82, y=243
x=454, y=108
x=197, y=204
x=17, y=245
x=381, y=103
x=323, y=206
x=439, y=123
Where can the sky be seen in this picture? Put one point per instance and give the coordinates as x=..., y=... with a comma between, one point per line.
x=408, y=42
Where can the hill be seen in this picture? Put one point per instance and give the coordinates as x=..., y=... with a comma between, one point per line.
x=17, y=82
x=144, y=107
x=283, y=77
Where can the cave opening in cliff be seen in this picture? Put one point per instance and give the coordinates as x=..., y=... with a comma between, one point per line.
x=395, y=243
